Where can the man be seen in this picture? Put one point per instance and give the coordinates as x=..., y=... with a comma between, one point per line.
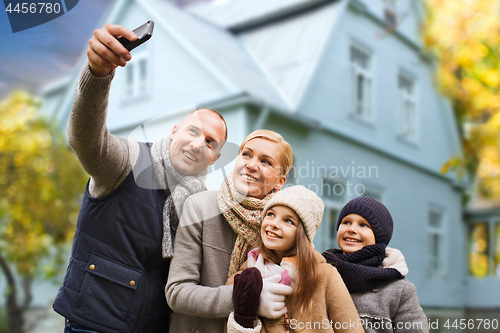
x=126, y=226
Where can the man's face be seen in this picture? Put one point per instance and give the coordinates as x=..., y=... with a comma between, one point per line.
x=196, y=142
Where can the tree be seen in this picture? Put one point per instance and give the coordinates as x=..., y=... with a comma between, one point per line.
x=41, y=184
x=465, y=37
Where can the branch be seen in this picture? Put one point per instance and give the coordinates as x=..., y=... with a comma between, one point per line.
x=11, y=283
x=28, y=296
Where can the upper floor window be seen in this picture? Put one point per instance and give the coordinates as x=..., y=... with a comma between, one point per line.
x=136, y=77
x=390, y=14
x=361, y=82
x=408, y=107
x=436, y=242
x=484, y=249
x=390, y=18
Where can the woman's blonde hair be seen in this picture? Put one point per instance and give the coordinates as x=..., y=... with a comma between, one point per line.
x=286, y=155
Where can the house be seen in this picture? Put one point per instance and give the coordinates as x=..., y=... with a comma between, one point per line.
x=346, y=82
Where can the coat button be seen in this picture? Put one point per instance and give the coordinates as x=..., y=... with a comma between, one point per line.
x=132, y=283
x=92, y=267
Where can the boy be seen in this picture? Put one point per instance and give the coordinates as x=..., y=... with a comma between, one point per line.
x=385, y=300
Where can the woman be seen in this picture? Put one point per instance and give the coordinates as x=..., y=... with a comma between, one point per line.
x=218, y=229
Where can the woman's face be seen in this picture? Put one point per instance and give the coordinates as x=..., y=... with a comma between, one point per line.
x=258, y=170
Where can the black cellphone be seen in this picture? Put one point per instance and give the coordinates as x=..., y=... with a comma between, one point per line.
x=143, y=33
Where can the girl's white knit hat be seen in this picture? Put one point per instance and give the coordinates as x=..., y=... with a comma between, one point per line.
x=308, y=206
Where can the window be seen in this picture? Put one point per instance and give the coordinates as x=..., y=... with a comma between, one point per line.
x=484, y=248
x=361, y=82
x=136, y=77
x=436, y=242
x=408, y=107
x=333, y=190
x=390, y=14
x=478, y=249
x=390, y=18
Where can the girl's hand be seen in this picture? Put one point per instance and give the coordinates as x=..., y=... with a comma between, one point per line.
x=272, y=297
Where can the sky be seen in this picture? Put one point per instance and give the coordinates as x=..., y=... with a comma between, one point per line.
x=32, y=58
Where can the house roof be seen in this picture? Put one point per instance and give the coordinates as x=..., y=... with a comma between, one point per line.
x=221, y=49
x=234, y=14
x=289, y=49
x=262, y=62
x=285, y=46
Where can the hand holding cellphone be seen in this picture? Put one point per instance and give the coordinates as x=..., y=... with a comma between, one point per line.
x=143, y=33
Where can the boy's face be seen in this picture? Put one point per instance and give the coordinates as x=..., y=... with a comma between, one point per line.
x=279, y=229
x=354, y=233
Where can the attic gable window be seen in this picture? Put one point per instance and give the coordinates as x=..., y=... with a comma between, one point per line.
x=136, y=77
x=408, y=107
x=361, y=82
x=390, y=18
x=390, y=14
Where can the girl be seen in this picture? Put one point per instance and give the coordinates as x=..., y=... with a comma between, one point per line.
x=385, y=300
x=320, y=301
x=218, y=229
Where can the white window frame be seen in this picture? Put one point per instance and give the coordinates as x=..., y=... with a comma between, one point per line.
x=408, y=108
x=436, y=264
x=363, y=107
x=140, y=85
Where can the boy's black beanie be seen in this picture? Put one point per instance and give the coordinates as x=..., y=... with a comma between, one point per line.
x=375, y=213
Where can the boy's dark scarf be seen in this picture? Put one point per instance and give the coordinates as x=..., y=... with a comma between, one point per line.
x=360, y=270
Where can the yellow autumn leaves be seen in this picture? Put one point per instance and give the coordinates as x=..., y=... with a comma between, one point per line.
x=465, y=37
x=40, y=184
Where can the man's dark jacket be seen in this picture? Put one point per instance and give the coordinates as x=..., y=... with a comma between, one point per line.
x=116, y=275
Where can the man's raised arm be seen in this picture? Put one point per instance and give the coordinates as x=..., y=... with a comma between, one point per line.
x=108, y=159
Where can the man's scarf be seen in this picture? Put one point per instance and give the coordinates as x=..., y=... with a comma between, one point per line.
x=244, y=215
x=360, y=270
x=178, y=185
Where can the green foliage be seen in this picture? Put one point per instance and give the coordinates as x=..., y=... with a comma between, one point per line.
x=3, y=321
x=41, y=184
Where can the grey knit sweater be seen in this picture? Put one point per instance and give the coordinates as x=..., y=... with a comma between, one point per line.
x=107, y=158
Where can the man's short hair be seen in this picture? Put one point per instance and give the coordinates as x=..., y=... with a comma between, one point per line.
x=217, y=113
